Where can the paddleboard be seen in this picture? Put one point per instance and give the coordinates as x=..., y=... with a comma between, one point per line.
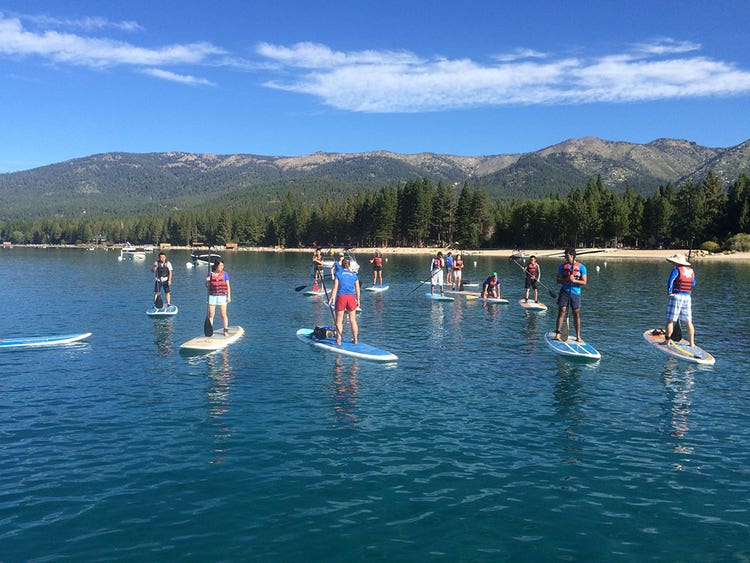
x=571, y=348
x=347, y=347
x=37, y=341
x=206, y=344
x=470, y=284
x=312, y=292
x=680, y=350
x=532, y=306
x=162, y=312
x=377, y=288
x=438, y=297
x=498, y=300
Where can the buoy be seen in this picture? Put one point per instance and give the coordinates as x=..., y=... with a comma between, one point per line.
x=188, y=265
x=475, y=263
x=597, y=269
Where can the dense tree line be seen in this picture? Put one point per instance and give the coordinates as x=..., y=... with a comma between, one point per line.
x=420, y=213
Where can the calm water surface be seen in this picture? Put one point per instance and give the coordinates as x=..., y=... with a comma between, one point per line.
x=479, y=445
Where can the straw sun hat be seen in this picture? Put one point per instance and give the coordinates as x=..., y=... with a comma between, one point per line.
x=678, y=259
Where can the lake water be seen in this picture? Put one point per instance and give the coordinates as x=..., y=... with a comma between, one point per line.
x=479, y=445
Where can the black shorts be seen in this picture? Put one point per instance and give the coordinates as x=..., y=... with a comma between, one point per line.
x=531, y=282
x=159, y=285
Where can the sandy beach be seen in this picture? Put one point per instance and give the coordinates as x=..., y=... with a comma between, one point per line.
x=585, y=254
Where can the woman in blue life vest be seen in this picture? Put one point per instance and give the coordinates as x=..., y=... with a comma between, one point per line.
x=533, y=275
x=377, y=268
x=345, y=296
x=162, y=269
x=491, y=287
x=571, y=276
x=679, y=288
x=219, y=293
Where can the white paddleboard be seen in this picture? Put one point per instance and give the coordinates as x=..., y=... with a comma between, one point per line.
x=162, y=312
x=498, y=300
x=571, y=348
x=311, y=292
x=438, y=297
x=532, y=306
x=38, y=341
x=347, y=347
x=680, y=350
x=206, y=344
x=377, y=288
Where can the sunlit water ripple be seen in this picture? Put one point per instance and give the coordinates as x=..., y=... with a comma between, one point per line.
x=479, y=444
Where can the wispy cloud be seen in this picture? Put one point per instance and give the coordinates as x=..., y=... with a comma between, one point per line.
x=86, y=23
x=174, y=77
x=75, y=49
x=390, y=82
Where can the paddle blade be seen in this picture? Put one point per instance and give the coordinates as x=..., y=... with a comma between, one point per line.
x=159, y=302
x=677, y=332
x=565, y=329
x=208, y=327
x=300, y=287
x=552, y=294
x=315, y=286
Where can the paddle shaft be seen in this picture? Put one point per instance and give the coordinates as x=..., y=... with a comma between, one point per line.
x=208, y=326
x=552, y=294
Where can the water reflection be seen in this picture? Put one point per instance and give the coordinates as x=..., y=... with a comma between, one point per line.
x=345, y=386
x=437, y=322
x=220, y=376
x=679, y=386
x=163, y=330
x=569, y=401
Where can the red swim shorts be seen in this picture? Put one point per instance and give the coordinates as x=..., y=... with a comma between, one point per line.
x=346, y=302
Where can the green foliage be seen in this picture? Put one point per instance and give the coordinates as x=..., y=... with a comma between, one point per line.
x=711, y=246
x=738, y=243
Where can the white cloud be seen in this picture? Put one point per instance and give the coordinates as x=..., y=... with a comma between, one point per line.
x=373, y=81
x=68, y=48
x=174, y=77
x=87, y=23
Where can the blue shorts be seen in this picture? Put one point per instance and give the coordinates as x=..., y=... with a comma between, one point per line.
x=679, y=307
x=217, y=299
x=565, y=299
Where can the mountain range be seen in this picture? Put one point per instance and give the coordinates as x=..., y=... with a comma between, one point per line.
x=139, y=183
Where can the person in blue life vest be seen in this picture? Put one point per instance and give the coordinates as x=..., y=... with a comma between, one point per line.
x=345, y=296
x=437, y=263
x=162, y=269
x=336, y=268
x=449, y=269
x=377, y=268
x=491, y=287
x=679, y=288
x=533, y=274
x=219, y=293
x=571, y=275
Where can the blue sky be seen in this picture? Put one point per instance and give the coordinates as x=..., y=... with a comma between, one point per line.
x=295, y=77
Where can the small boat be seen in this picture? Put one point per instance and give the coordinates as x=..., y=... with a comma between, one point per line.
x=203, y=258
x=130, y=252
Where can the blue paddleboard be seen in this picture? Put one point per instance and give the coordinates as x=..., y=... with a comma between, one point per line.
x=438, y=297
x=162, y=311
x=347, y=347
x=571, y=348
x=37, y=341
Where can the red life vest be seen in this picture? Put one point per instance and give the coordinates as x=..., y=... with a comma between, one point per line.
x=576, y=270
x=437, y=264
x=217, y=285
x=531, y=269
x=683, y=283
x=377, y=261
x=458, y=264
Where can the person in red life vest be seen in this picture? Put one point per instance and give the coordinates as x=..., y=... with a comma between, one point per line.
x=377, y=268
x=533, y=274
x=679, y=288
x=219, y=293
x=458, y=267
x=317, y=262
x=436, y=273
x=491, y=287
x=571, y=275
x=345, y=295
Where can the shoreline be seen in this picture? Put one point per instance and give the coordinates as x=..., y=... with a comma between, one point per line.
x=585, y=254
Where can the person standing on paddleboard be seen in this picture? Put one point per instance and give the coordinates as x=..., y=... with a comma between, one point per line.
x=458, y=266
x=162, y=268
x=377, y=268
x=317, y=262
x=572, y=276
x=533, y=274
x=436, y=273
x=345, y=295
x=449, y=268
x=219, y=293
x=679, y=288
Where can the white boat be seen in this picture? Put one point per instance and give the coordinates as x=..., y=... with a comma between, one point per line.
x=130, y=252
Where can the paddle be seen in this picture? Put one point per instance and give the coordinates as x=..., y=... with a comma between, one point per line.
x=208, y=327
x=300, y=287
x=333, y=315
x=158, y=302
x=676, y=331
x=421, y=284
x=552, y=294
